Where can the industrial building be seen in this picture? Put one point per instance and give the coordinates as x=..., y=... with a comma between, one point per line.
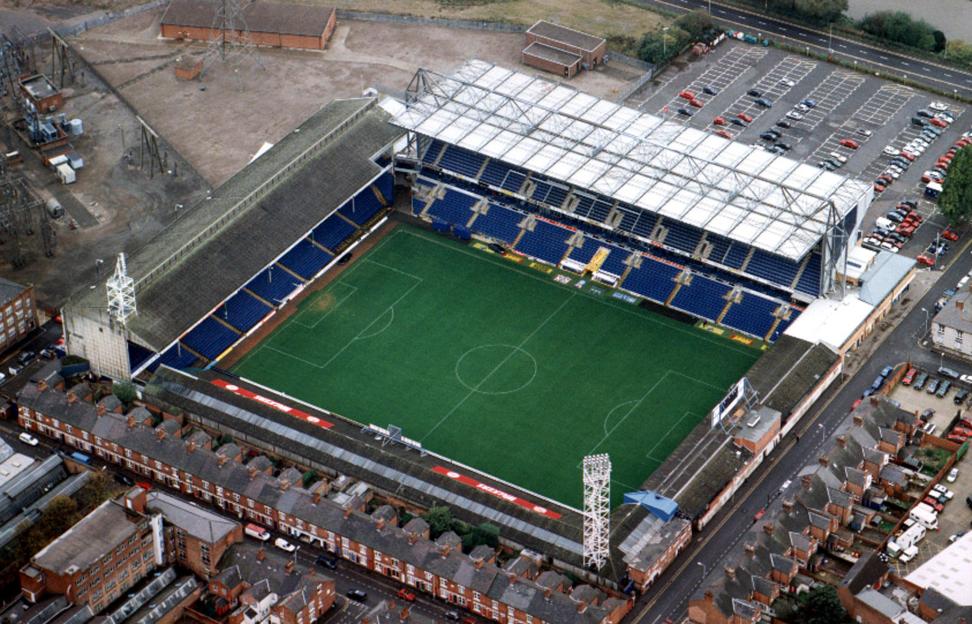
x=18, y=312
x=270, y=24
x=562, y=50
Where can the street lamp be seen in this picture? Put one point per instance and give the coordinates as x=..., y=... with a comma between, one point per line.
x=925, y=329
x=664, y=42
x=830, y=45
x=703, y=568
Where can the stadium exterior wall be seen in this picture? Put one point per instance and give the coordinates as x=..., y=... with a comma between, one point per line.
x=93, y=336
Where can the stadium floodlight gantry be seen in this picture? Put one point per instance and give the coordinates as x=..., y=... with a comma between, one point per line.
x=727, y=188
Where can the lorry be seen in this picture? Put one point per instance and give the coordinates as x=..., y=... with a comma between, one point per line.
x=924, y=515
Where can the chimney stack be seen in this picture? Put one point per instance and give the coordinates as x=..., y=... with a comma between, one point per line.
x=750, y=549
x=316, y=498
x=547, y=592
x=252, y=472
x=730, y=572
x=101, y=409
x=131, y=421
x=788, y=505
x=768, y=528
x=221, y=460
x=191, y=446
x=842, y=441
x=347, y=511
x=290, y=566
x=261, y=554
x=858, y=420
x=160, y=433
x=72, y=398
x=823, y=461
x=42, y=385
x=959, y=304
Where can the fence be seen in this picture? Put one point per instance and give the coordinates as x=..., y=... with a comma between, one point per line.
x=415, y=20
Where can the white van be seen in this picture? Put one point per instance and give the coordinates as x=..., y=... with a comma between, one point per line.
x=924, y=515
x=257, y=532
x=884, y=223
x=26, y=438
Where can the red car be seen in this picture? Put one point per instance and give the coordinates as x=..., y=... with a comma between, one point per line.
x=954, y=437
x=949, y=234
x=745, y=117
x=404, y=594
x=696, y=103
x=687, y=95
x=724, y=134
x=907, y=155
x=855, y=404
x=719, y=121
x=962, y=431
x=145, y=485
x=934, y=504
x=925, y=260
x=879, y=188
x=909, y=376
x=850, y=143
x=935, y=121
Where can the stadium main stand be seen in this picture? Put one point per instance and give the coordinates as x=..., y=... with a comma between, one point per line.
x=745, y=230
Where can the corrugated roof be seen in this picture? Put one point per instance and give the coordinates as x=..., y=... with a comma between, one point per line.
x=566, y=35
x=884, y=275
x=726, y=187
x=268, y=17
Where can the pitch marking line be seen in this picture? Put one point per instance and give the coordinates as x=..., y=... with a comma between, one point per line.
x=361, y=335
x=662, y=439
x=296, y=321
x=519, y=347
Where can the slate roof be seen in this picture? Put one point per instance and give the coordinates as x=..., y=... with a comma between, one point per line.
x=109, y=525
x=788, y=371
x=193, y=519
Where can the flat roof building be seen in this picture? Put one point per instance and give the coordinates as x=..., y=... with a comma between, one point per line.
x=562, y=47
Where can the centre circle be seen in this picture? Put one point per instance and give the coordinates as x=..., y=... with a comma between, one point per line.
x=493, y=369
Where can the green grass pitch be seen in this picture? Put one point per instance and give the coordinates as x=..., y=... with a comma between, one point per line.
x=498, y=366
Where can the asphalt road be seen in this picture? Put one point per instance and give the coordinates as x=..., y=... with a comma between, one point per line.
x=668, y=598
x=878, y=59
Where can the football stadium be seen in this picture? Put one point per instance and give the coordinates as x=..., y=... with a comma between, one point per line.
x=481, y=284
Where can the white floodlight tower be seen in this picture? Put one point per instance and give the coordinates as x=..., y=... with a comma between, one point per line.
x=597, y=502
x=121, y=292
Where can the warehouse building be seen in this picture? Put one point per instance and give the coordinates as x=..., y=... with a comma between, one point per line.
x=267, y=24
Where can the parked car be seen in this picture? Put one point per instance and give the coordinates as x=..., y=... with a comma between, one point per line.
x=943, y=388
x=783, y=124
x=685, y=111
x=945, y=371
x=769, y=135
x=357, y=595
x=920, y=381
x=738, y=122
x=719, y=121
x=960, y=396
x=950, y=234
x=28, y=439
x=890, y=150
x=924, y=113
x=754, y=93
x=124, y=479
x=849, y=143
x=909, y=376
x=710, y=90
x=932, y=386
x=745, y=117
x=765, y=103
x=284, y=545
x=941, y=123
x=405, y=594
x=809, y=103
x=938, y=106
x=327, y=560
x=697, y=103
x=795, y=116
x=686, y=95
x=257, y=532
x=952, y=475
x=723, y=134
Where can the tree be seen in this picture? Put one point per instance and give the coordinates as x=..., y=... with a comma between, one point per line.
x=899, y=27
x=482, y=533
x=956, y=198
x=695, y=24
x=125, y=392
x=661, y=45
x=940, y=41
x=820, y=605
x=439, y=518
x=820, y=11
x=959, y=52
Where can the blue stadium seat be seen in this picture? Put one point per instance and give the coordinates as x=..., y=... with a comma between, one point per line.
x=773, y=268
x=809, y=282
x=332, y=232
x=584, y=205
x=600, y=211
x=501, y=175
x=546, y=242
x=364, y=206
x=499, y=223
x=613, y=264
x=175, y=359
x=432, y=151
x=385, y=183
x=736, y=255
x=461, y=161
x=210, y=338
x=682, y=236
x=242, y=311
x=703, y=297
x=550, y=194
x=654, y=280
x=305, y=259
x=645, y=224
x=752, y=315
x=718, y=246
x=794, y=313
x=454, y=208
x=274, y=284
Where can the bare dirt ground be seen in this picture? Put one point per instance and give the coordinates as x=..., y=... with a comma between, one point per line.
x=219, y=122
